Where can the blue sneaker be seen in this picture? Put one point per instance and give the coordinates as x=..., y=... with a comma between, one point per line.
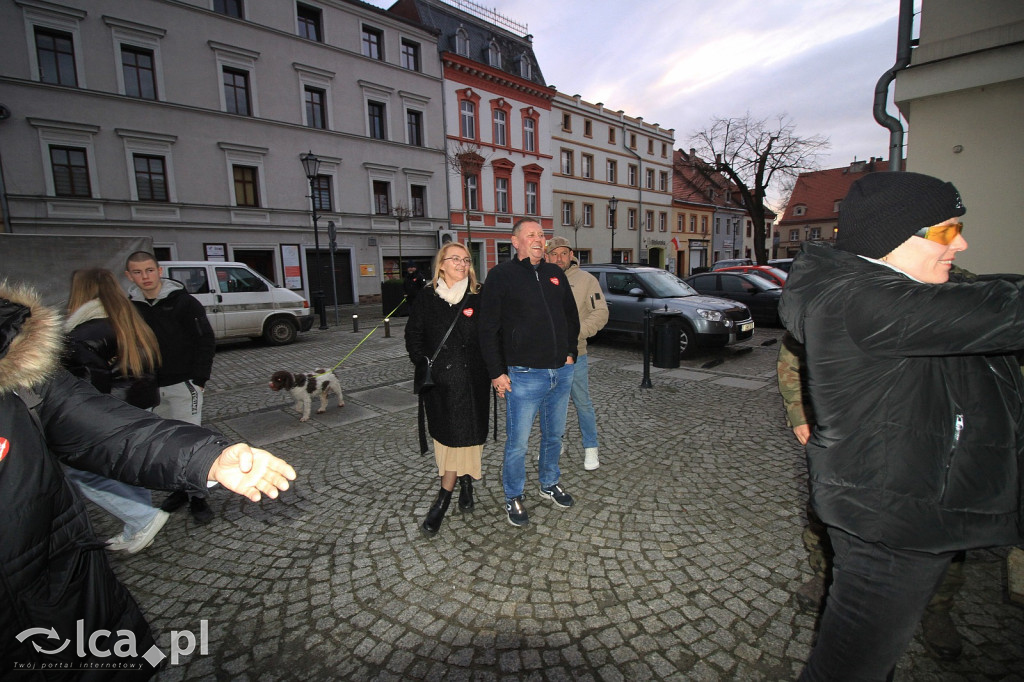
x=517, y=515
x=557, y=495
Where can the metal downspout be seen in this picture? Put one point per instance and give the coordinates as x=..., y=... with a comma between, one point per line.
x=884, y=119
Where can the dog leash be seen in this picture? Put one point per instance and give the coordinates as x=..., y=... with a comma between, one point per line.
x=368, y=335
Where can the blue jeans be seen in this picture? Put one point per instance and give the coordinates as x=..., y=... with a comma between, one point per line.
x=877, y=598
x=131, y=504
x=584, y=405
x=533, y=392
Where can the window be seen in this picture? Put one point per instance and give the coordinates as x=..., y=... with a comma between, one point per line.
x=247, y=190
x=525, y=67
x=664, y=150
x=414, y=127
x=610, y=218
x=794, y=235
x=815, y=233
x=531, y=198
x=611, y=171
x=381, y=197
x=236, y=92
x=70, y=172
x=718, y=226
x=321, y=187
x=650, y=146
x=410, y=55
x=693, y=223
x=316, y=107
x=649, y=220
x=835, y=205
x=611, y=135
x=500, y=128
x=649, y=178
x=232, y=8
x=462, y=42
x=588, y=128
x=799, y=210
x=139, y=73
x=567, y=122
x=680, y=222
x=662, y=221
x=631, y=219
x=529, y=135
x=704, y=224
x=472, y=193
x=467, y=119
x=150, y=177
x=663, y=181
x=631, y=175
x=309, y=22
x=567, y=212
x=501, y=195
x=588, y=215
x=418, y=193
x=587, y=166
x=567, y=159
x=632, y=140
x=376, y=113
x=494, y=55
x=373, y=43
x=238, y=281
x=56, y=56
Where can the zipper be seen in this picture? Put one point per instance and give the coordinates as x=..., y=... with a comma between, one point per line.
x=958, y=427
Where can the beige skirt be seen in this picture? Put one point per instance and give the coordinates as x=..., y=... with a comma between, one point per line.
x=462, y=461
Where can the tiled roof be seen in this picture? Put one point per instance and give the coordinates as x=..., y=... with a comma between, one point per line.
x=691, y=186
x=818, y=191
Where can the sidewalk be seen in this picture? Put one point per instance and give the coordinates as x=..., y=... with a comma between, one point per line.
x=679, y=560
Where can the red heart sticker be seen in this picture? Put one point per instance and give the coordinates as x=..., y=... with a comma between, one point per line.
x=5, y=447
x=468, y=312
x=554, y=280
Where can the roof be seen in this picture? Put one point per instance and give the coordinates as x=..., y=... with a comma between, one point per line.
x=818, y=191
x=691, y=186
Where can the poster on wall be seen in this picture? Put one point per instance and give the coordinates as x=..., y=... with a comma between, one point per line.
x=291, y=265
x=216, y=252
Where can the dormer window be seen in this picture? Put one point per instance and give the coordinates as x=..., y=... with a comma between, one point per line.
x=799, y=210
x=525, y=69
x=462, y=42
x=494, y=55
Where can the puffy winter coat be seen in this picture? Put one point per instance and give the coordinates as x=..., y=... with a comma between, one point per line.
x=456, y=407
x=187, y=342
x=53, y=570
x=919, y=419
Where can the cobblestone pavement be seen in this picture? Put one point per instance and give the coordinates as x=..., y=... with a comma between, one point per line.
x=678, y=562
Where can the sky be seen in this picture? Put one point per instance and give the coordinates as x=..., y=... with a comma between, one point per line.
x=683, y=63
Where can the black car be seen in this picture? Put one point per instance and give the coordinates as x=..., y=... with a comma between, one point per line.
x=758, y=294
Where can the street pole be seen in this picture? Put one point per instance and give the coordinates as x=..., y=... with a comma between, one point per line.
x=311, y=165
x=613, y=204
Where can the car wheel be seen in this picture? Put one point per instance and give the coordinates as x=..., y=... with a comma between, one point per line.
x=280, y=332
x=687, y=340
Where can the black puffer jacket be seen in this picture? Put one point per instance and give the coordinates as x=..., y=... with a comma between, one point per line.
x=186, y=339
x=919, y=434
x=53, y=570
x=456, y=407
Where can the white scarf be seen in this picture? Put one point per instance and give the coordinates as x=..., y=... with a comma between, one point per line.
x=452, y=294
x=90, y=310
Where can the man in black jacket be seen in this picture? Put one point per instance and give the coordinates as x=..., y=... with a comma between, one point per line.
x=186, y=349
x=528, y=331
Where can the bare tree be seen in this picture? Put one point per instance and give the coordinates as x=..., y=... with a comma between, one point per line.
x=752, y=154
x=465, y=161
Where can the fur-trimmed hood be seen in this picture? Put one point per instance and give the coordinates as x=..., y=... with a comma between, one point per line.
x=34, y=352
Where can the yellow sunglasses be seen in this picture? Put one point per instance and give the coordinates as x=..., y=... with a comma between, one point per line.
x=942, y=234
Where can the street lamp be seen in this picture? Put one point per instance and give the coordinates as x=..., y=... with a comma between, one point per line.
x=311, y=165
x=613, y=204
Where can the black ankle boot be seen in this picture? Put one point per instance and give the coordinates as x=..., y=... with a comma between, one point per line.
x=466, y=493
x=437, y=510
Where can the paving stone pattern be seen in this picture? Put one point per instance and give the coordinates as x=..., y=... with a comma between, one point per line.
x=678, y=561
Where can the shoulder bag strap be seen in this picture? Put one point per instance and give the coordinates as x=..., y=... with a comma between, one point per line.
x=450, y=328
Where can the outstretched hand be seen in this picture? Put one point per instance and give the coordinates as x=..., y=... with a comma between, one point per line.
x=251, y=472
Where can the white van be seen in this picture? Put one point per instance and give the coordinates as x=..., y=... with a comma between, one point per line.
x=240, y=302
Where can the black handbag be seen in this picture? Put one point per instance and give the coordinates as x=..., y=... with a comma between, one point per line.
x=422, y=379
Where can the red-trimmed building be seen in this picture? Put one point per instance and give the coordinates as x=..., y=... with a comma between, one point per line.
x=497, y=122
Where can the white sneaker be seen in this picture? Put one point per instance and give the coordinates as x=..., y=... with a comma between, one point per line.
x=590, y=460
x=142, y=539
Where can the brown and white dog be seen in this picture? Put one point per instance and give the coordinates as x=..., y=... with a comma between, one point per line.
x=305, y=385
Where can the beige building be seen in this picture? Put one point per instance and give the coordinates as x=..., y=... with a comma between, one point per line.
x=963, y=95
x=187, y=121
x=603, y=154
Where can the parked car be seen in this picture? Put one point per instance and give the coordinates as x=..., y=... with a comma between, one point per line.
x=241, y=303
x=730, y=262
x=706, y=321
x=781, y=263
x=765, y=271
x=759, y=295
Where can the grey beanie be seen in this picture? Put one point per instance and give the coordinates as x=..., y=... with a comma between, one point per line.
x=883, y=210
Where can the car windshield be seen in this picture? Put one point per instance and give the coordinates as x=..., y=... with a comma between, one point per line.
x=664, y=284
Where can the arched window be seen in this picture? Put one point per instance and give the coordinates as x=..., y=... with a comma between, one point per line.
x=525, y=69
x=494, y=54
x=462, y=42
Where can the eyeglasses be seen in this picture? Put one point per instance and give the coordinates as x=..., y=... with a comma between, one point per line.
x=457, y=259
x=941, y=234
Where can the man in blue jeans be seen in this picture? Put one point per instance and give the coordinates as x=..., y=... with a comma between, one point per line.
x=528, y=331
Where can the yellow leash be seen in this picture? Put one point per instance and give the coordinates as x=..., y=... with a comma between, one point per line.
x=368, y=335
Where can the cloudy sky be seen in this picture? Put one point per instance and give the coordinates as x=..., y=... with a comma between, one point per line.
x=680, y=63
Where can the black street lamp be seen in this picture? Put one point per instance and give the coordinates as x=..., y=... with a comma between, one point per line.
x=613, y=204
x=311, y=165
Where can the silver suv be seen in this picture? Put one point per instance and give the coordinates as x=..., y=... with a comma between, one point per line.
x=707, y=320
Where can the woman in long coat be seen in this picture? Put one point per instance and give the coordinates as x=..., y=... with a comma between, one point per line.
x=456, y=405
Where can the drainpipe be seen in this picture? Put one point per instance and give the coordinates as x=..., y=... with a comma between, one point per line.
x=886, y=120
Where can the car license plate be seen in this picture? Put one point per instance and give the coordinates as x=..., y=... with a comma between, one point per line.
x=746, y=326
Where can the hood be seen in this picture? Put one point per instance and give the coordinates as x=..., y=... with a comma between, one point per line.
x=168, y=287
x=35, y=340
x=90, y=310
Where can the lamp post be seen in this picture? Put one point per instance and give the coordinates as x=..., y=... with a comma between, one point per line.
x=613, y=204
x=311, y=165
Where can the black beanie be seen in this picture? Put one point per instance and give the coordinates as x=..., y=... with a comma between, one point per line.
x=883, y=210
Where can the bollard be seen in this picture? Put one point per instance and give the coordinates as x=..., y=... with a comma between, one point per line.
x=387, y=327
x=355, y=324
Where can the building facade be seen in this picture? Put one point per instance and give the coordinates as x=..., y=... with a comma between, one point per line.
x=188, y=121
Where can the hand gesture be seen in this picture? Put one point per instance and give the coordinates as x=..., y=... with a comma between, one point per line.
x=251, y=471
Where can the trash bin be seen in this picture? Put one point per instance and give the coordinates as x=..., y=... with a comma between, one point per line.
x=665, y=325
